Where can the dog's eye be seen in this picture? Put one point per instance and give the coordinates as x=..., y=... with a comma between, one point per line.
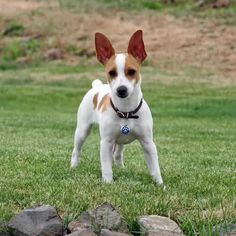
x=131, y=72
x=112, y=73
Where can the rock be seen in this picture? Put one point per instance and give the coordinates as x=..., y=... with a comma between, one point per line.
x=84, y=232
x=155, y=225
x=225, y=230
x=53, y=54
x=84, y=222
x=107, y=217
x=41, y=221
x=3, y=229
x=104, y=216
x=4, y=233
x=107, y=232
x=213, y=4
x=221, y=3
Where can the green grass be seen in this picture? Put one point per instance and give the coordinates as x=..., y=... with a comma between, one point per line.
x=194, y=129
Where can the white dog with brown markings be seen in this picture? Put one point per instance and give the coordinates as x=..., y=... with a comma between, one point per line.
x=118, y=107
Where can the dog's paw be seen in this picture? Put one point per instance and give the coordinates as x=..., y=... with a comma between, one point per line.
x=74, y=160
x=158, y=180
x=162, y=186
x=118, y=160
x=119, y=163
x=107, y=178
x=74, y=163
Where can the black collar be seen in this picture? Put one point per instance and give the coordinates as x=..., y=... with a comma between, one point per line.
x=127, y=115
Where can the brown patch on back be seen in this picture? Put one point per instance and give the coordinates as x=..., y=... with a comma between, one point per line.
x=132, y=63
x=104, y=103
x=95, y=100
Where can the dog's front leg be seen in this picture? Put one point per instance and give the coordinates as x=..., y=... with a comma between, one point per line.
x=151, y=156
x=106, y=160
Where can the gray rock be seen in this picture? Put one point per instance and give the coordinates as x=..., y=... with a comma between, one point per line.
x=107, y=232
x=104, y=216
x=154, y=225
x=40, y=221
x=85, y=221
x=83, y=232
x=107, y=217
x=225, y=230
x=2, y=233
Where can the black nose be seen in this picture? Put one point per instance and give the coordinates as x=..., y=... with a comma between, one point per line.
x=122, y=92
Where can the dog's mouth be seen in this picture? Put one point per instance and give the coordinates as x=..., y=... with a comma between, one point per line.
x=122, y=95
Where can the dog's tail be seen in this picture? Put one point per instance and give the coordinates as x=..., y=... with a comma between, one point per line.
x=96, y=83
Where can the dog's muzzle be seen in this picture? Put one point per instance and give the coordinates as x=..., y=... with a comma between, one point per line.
x=122, y=92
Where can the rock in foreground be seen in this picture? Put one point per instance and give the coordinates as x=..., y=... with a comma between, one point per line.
x=155, y=225
x=41, y=221
x=225, y=230
x=107, y=232
x=104, y=216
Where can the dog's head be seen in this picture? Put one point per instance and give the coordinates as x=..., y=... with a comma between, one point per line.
x=122, y=69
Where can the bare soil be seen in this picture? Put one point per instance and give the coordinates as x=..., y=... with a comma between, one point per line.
x=10, y=8
x=172, y=43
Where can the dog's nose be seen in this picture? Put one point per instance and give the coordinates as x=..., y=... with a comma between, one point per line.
x=122, y=92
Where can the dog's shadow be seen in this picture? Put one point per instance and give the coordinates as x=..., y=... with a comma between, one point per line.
x=130, y=174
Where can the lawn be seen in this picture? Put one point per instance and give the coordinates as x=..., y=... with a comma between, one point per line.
x=194, y=129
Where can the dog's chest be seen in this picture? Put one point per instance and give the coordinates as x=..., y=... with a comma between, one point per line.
x=125, y=132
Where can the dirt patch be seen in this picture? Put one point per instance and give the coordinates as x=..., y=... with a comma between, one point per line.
x=14, y=7
x=172, y=43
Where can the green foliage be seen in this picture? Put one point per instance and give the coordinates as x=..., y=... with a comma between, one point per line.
x=19, y=48
x=5, y=65
x=123, y=4
x=14, y=29
x=194, y=128
x=225, y=15
x=135, y=5
x=73, y=49
x=13, y=50
x=32, y=46
x=154, y=5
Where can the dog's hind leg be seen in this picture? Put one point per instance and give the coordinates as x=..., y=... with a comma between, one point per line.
x=118, y=154
x=81, y=133
x=84, y=124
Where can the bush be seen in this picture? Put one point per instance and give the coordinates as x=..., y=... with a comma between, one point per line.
x=18, y=48
x=14, y=29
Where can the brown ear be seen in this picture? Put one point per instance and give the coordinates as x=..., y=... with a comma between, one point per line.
x=136, y=46
x=104, y=48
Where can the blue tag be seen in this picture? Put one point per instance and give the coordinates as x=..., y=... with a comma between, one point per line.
x=125, y=130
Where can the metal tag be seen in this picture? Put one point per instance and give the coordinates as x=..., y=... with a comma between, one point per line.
x=125, y=129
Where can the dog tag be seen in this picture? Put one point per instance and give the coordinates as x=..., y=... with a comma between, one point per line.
x=125, y=129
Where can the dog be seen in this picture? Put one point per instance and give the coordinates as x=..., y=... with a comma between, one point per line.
x=118, y=107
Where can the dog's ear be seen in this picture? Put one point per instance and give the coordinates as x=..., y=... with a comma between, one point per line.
x=136, y=46
x=104, y=48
